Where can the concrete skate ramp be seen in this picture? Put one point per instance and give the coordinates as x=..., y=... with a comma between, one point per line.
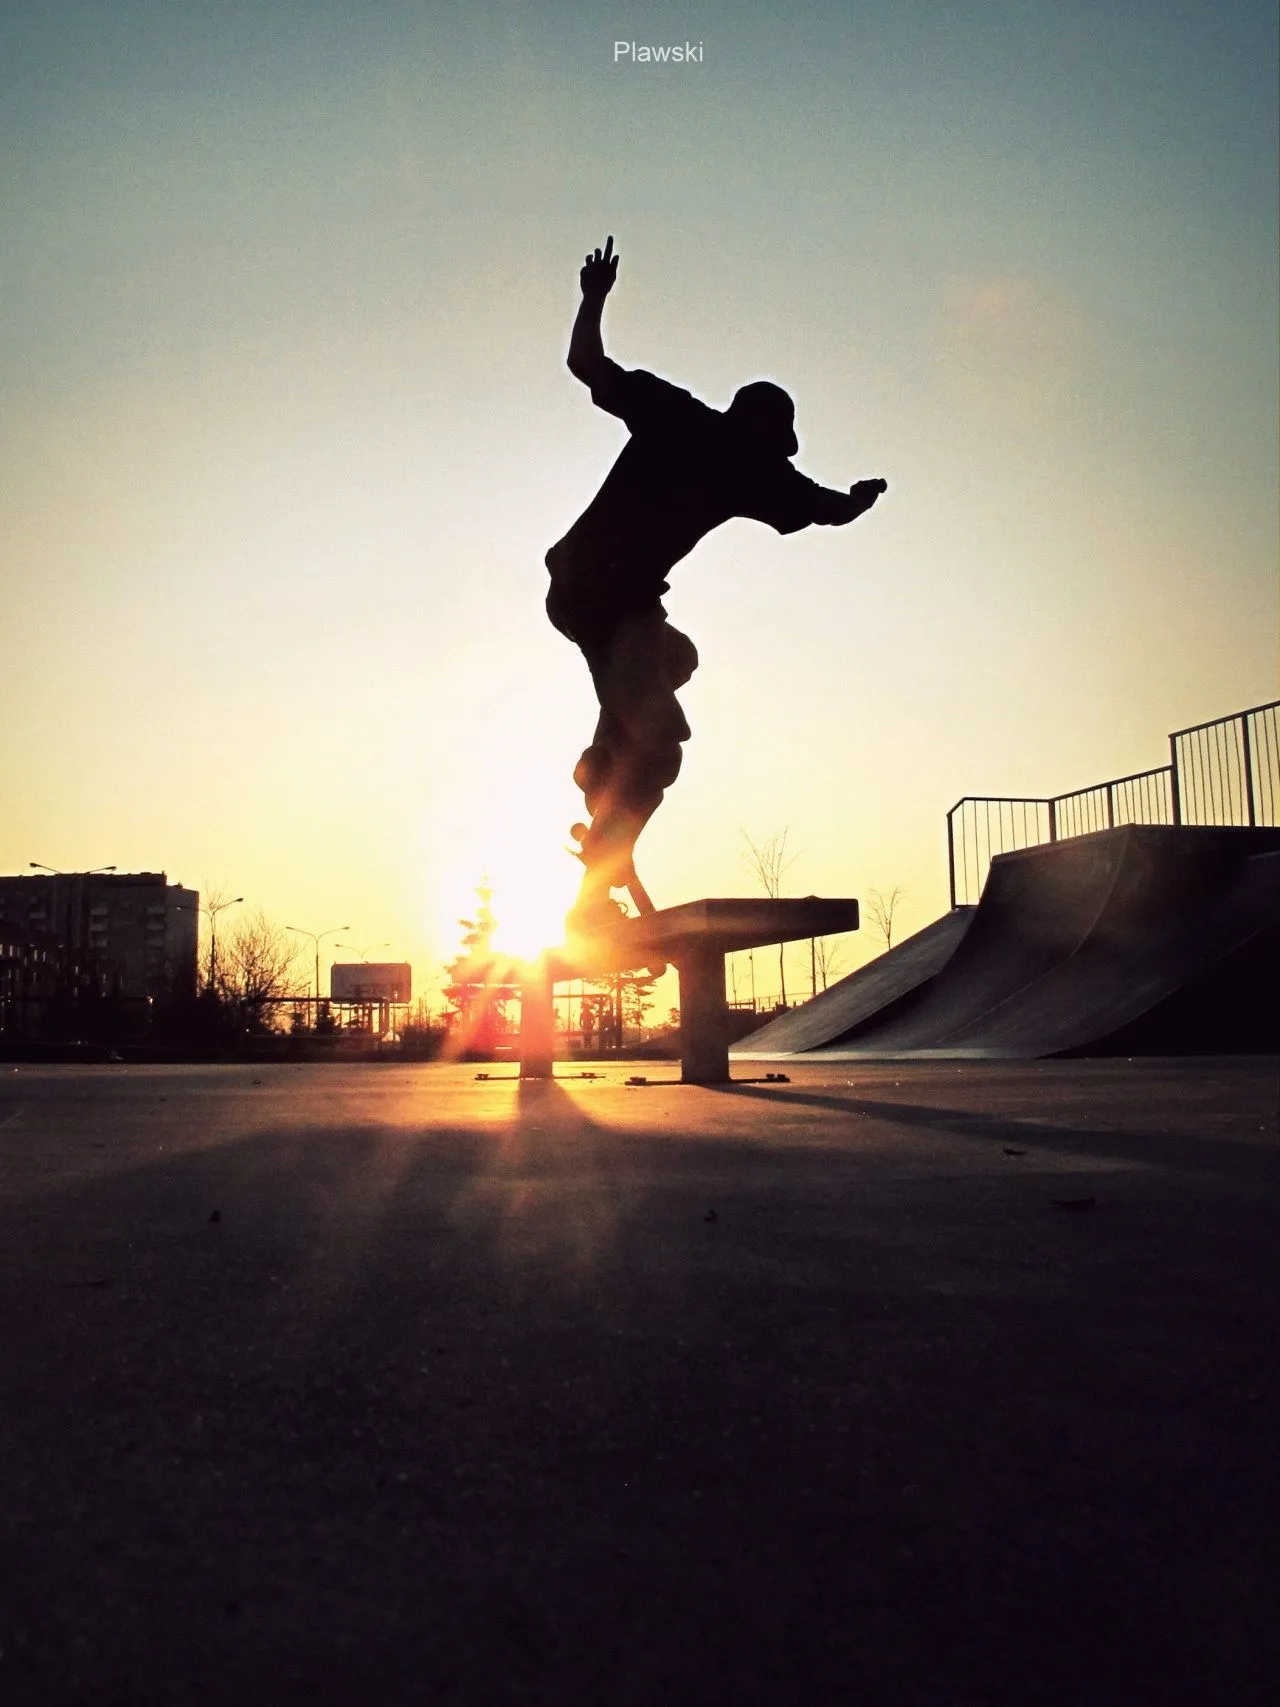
x=870, y=994
x=1144, y=939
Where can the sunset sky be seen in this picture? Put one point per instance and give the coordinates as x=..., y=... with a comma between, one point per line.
x=287, y=428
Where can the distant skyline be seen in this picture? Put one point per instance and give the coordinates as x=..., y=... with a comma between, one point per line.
x=287, y=430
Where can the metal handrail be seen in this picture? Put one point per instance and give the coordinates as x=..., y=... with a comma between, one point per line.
x=1229, y=769
x=1226, y=781
x=1114, y=782
x=1249, y=711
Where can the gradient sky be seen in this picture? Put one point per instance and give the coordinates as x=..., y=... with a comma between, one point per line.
x=287, y=430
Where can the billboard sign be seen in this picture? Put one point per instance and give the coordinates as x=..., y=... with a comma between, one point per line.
x=370, y=981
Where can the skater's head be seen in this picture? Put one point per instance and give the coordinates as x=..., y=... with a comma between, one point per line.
x=765, y=412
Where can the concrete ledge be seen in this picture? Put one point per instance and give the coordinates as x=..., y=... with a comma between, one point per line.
x=694, y=937
x=726, y=925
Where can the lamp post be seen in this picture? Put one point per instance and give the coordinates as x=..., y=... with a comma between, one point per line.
x=362, y=952
x=213, y=909
x=316, y=937
x=211, y=913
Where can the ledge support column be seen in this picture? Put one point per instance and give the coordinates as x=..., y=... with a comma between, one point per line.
x=537, y=1023
x=704, y=1015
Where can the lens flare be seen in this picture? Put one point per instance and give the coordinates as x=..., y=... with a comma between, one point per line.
x=530, y=900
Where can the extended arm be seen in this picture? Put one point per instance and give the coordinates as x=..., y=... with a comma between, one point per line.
x=587, y=360
x=836, y=508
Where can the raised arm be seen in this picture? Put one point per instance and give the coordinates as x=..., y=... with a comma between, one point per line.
x=587, y=360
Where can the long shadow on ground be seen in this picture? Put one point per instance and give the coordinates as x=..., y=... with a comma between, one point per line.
x=562, y=1413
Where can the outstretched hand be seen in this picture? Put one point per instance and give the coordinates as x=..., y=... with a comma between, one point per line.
x=598, y=274
x=865, y=492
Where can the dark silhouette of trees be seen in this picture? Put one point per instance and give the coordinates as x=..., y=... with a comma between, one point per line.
x=478, y=990
x=622, y=1002
x=421, y=1034
x=257, y=970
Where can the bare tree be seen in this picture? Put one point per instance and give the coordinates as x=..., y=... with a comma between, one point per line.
x=215, y=899
x=768, y=864
x=882, y=908
x=257, y=967
x=828, y=953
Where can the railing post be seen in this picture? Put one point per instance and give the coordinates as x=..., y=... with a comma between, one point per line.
x=1248, y=770
x=951, y=858
x=1111, y=806
x=1175, y=787
x=1053, y=820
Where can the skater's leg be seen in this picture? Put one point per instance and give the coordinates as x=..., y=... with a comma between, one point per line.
x=637, y=750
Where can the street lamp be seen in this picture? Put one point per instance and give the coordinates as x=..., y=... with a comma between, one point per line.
x=211, y=913
x=362, y=952
x=213, y=909
x=96, y=872
x=316, y=937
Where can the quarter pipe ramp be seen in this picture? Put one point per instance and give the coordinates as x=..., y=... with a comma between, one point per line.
x=1145, y=939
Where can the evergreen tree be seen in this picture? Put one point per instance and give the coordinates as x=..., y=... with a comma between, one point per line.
x=476, y=991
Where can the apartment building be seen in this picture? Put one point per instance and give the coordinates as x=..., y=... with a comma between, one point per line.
x=115, y=934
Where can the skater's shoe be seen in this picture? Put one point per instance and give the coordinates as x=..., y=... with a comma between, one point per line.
x=604, y=847
x=591, y=916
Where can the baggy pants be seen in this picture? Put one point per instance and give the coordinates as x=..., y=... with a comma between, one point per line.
x=637, y=662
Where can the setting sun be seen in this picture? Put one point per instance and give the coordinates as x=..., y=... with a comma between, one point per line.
x=530, y=900
x=530, y=891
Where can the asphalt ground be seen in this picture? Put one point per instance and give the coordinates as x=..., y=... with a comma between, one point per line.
x=937, y=1385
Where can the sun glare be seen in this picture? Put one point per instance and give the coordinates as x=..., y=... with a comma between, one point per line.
x=515, y=846
x=530, y=900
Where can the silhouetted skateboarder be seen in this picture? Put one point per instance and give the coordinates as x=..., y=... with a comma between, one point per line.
x=685, y=469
